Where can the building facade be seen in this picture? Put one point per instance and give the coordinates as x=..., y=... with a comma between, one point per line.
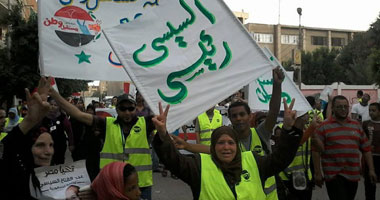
x=283, y=40
x=29, y=7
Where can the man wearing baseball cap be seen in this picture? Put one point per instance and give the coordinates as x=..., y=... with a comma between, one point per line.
x=126, y=138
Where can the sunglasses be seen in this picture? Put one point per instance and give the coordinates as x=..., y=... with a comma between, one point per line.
x=123, y=108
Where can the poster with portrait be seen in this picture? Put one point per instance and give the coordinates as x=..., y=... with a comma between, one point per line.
x=62, y=181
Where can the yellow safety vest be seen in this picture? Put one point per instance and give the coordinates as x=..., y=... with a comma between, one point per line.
x=270, y=188
x=215, y=187
x=134, y=150
x=311, y=114
x=7, y=121
x=206, y=127
x=301, y=162
x=2, y=136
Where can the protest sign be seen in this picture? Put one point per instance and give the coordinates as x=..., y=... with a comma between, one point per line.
x=260, y=91
x=70, y=38
x=190, y=54
x=62, y=181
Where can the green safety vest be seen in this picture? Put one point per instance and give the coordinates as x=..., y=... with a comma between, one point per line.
x=2, y=136
x=206, y=127
x=270, y=188
x=135, y=151
x=301, y=162
x=214, y=186
x=7, y=121
x=311, y=114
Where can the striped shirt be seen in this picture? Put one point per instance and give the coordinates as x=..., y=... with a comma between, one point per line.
x=343, y=143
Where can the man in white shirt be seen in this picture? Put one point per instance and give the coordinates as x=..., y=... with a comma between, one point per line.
x=360, y=111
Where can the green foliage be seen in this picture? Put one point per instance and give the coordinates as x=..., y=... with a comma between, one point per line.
x=319, y=67
x=67, y=87
x=356, y=64
x=374, y=60
x=20, y=70
x=358, y=58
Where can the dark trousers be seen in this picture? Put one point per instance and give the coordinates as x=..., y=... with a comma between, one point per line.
x=294, y=194
x=341, y=188
x=370, y=189
x=146, y=193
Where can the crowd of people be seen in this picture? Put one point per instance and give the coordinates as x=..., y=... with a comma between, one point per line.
x=256, y=157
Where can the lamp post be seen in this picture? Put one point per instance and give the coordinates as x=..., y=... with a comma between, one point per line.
x=299, y=11
x=300, y=45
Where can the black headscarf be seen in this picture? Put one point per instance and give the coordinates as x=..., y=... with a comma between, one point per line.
x=232, y=170
x=33, y=135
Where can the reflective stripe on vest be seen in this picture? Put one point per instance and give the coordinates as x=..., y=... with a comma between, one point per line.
x=214, y=186
x=298, y=163
x=270, y=187
x=2, y=136
x=206, y=127
x=135, y=151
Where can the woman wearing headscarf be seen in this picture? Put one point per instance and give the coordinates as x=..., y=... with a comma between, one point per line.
x=26, y=148
x=12, y=120
x=227, y=173
x=117, y=181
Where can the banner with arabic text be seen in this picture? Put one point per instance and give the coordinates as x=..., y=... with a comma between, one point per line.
x=62, y=181
x=190, y=54
x=70, y=38
x=260, y=91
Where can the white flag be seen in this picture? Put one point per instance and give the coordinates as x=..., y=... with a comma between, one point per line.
x=260, y=91
x=71, y=42
x=191, y=54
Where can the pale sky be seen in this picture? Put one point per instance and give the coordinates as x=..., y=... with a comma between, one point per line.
x=340, y=14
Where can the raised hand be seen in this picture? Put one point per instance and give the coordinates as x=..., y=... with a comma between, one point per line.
x=160, y=120
x=37, y=107
x=289, y=114
x=278, y=75
x=44, y=87
x=179, y=142
x=316, y=120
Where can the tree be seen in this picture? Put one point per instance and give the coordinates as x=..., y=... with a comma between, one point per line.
x=20, y=70
x=354, y=60
x=359, y=57
x=374, y=57
x=319, y=67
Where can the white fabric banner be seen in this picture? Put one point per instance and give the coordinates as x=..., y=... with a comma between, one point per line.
x=70, y=38
x=260, y=91
x=191, y=54
x=62, y=181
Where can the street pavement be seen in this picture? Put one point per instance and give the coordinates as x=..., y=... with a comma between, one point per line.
x=166, y=188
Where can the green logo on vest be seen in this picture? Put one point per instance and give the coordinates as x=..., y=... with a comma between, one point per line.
x=257, y=149
x=137, y=129
x=245, y=174
x=217, y=120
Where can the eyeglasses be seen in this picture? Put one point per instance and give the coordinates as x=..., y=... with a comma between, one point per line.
x=123, y=108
